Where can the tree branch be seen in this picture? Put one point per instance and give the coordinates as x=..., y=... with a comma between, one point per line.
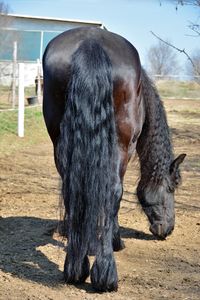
x=179, y=50
x=195, y=28
x=187, y=2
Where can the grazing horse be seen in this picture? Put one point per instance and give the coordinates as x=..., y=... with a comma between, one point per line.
x=100, y=107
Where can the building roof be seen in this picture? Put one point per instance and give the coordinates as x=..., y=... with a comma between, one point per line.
x=98, y=23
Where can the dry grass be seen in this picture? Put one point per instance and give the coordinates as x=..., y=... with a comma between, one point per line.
x=178, y=89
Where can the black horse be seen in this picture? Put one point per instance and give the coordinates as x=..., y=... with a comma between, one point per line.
x=99, y=108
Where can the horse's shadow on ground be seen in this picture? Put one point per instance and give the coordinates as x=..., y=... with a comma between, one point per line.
x=20, y=254
x=20, y=238
x=135, y=234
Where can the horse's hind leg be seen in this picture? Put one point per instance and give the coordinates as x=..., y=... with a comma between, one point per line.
x=104, y=272
x=77, y=266
x=76, y=270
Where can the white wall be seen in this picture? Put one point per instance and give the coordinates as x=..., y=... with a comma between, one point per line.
x=30, y=71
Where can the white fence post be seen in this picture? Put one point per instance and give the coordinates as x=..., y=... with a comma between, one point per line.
x=39, y=81
x=21, y=101
x=14, y=74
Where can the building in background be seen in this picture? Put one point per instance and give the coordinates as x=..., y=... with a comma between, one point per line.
x=32, y=35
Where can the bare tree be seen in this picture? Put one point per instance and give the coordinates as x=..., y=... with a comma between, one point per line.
x=7, y=36
x=162, y=60
x=4, y=8
x=194, y=72
x=4, y=22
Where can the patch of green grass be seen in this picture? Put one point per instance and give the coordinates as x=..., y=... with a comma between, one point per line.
x=34, y=127
x=8, y=122
x=34, y=124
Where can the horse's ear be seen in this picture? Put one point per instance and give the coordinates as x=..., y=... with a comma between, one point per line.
x=175, y=164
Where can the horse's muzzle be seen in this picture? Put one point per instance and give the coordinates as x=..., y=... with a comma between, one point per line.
x=161, y=231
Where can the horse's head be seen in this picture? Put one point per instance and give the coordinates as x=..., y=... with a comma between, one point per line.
x=158, y=201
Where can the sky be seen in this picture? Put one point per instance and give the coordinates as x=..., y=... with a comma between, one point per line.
x=133, y=19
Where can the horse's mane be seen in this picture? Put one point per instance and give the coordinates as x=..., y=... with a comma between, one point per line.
x=154, y=145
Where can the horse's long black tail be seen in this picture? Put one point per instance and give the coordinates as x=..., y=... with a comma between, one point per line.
x=86, y=151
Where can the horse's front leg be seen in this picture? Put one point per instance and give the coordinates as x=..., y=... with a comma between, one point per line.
x=118, y=244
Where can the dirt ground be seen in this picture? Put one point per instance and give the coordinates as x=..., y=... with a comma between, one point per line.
x=32, y=256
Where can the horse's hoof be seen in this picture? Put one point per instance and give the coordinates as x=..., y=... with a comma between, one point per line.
x=101, y=288
x=118, y=245
x=62, y=229
x=72, y=277
x=104, y=275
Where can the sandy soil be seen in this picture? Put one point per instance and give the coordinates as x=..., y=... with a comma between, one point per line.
x=32, y=255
